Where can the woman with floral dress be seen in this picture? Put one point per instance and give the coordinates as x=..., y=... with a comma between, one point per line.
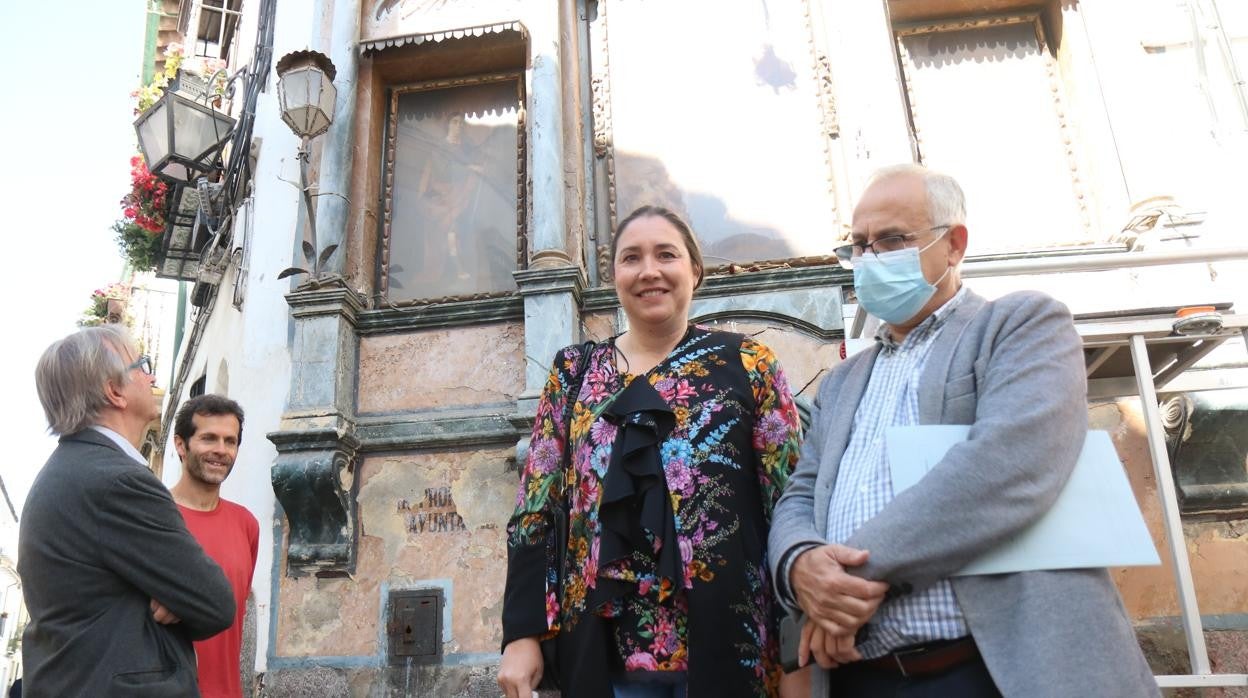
x=681, y=440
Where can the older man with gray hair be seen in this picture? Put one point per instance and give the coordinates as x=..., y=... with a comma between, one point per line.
x=869, y=570
x=115, y=586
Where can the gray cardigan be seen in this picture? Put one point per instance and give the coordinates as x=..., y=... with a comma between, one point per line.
x=100, y=538
x=1013, y=369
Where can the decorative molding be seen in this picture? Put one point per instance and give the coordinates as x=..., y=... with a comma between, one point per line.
x=604, y=140
x=1079, y=190
x=313, y=479
x=522, y=180
x=439, y=429
x=387, y=184
x=751, y=282
x=565, y=279
x=1067, y=130
x=326, y=300
x=600, y=86
x=825, y=89
x=907, y=68
x=462, y=33
x=913, y=28
x=442, y=314
x=818, y=312
x=827, y=96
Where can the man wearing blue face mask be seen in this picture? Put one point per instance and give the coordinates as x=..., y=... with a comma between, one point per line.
x=869, y=571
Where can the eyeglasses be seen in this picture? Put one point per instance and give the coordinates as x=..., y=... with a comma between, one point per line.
x=143, y=363
x=889, y=243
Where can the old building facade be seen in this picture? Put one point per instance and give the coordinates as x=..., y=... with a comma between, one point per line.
x=480, y=154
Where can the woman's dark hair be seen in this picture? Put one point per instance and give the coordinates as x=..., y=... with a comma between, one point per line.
x=686, y=233
x=209, y=405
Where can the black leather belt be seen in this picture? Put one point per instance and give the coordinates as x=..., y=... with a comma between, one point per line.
x=926, y=659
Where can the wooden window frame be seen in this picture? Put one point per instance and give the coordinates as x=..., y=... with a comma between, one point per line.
x=387, y=192
x=1062, y=111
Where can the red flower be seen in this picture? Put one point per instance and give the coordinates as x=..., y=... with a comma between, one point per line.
x=145, y=205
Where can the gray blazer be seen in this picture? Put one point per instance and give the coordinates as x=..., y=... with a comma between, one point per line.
x=100, y=537
x=1013, y=369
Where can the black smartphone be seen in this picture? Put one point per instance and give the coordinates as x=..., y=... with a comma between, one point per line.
x=790, y=638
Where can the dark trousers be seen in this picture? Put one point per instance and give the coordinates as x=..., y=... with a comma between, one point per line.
x=967, y=680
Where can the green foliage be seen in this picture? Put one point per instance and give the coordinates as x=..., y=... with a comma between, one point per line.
x=138, y=246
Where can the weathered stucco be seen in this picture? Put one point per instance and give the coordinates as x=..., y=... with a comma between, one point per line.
x=598, y=326
x=801, y=356
x=331, y=617
x=441, y=368
x=434, y=519
x=1218, y=550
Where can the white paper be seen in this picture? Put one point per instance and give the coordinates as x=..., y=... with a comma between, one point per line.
x=1095, y=521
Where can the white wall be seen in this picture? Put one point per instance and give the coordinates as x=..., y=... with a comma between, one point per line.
x=255, y=343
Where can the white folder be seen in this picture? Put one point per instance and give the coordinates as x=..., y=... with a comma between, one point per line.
x=1095, y=521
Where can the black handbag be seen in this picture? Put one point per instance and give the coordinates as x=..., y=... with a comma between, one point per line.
x=559, y=520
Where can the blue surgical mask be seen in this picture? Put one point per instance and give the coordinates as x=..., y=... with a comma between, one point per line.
x=891, y=285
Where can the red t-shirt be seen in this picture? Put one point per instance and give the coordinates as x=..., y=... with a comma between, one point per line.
x=230, y=535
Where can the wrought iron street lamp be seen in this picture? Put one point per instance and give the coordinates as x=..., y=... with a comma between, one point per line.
x=182, y=138
x=305, y=89
x=306, y=93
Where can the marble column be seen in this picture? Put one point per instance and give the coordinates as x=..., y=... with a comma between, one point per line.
x=548, y=245
x=552, y=301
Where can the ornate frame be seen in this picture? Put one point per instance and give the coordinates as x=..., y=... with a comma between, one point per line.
x=1061, y=110
x=387, y=184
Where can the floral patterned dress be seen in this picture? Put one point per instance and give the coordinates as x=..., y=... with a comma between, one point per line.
x=673, y=477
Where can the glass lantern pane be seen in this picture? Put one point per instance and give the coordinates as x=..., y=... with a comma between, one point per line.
x=176, y=171
x=196, y=131
x=328, y=96
x=299, y=88
x=153, y=134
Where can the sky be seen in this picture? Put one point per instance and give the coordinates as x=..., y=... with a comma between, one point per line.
x=68, y=135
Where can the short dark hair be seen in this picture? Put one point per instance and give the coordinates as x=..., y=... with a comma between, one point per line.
x=207, y=404
x=686, y=233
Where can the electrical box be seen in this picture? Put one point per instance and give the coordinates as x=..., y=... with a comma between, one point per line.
x=415, y=626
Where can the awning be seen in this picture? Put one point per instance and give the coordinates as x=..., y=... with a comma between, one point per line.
x=466, y=32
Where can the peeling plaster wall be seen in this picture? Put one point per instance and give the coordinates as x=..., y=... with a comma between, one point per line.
x=598, y=326
x=1218, y=550
x=430, y=519
x=441, y=368
x=804, y=359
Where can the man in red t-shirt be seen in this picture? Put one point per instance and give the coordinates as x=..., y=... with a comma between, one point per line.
x=206, y=434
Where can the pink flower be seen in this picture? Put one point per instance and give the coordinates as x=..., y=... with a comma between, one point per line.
x=640, y=661
x=771, y=431
x=543, y=456
x=602, y=432
x=686, y=549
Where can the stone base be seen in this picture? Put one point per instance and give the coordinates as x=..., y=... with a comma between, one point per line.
x=1165, y=647
x=474, y=681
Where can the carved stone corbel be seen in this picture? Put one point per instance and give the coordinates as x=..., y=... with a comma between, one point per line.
x=314, y=479
x=313, y=475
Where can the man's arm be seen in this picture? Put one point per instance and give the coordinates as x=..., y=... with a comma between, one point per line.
x=820, y=585
x=793, y=519
x=1030, y=425
x=142, y=537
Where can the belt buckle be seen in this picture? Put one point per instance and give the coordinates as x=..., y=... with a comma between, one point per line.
x=897, y=655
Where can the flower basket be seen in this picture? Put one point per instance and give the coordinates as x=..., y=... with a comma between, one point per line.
x=145, y=212
x=108, y=305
